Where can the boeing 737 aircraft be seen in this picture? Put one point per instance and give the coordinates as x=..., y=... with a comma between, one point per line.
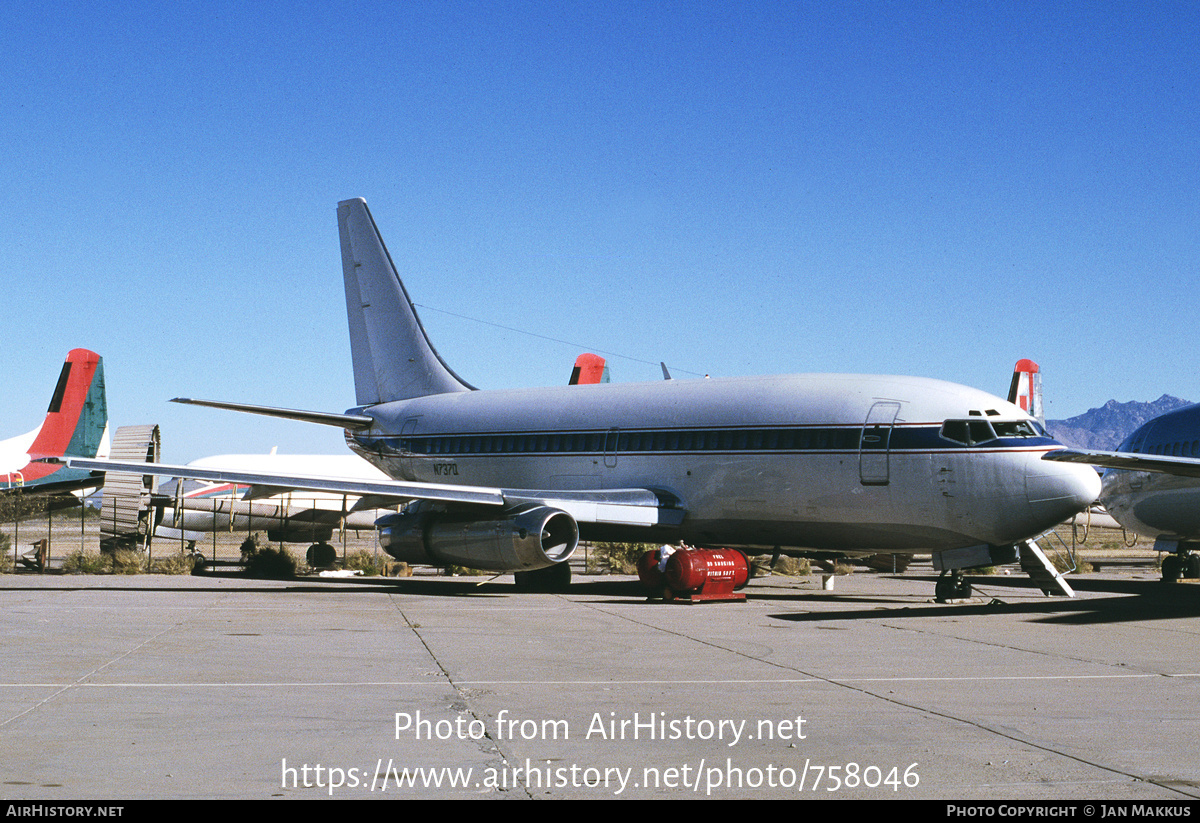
x=1151, y=485
x=75, y=424
x=509, y=480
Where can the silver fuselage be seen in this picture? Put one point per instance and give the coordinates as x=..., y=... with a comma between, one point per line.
x=820, y=461
x=1156, y=504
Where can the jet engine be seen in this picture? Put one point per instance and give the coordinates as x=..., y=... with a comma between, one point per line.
x=523, y=538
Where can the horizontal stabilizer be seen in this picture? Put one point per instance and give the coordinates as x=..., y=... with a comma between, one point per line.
x=354, y=422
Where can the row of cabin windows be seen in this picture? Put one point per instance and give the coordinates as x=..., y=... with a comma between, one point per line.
x=964, y=432
x=639, y=441
x=1184, y=448
x=1181, y=448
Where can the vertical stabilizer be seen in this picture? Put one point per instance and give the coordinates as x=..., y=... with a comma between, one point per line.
x=393, y=358
x=1026, y=389
x=75, y=426
x=78, y=411
x=589, y=368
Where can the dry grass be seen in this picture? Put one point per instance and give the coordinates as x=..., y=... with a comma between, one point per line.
x=365, y=562
x=173, y=564
x=617, y=558
x=268, y=563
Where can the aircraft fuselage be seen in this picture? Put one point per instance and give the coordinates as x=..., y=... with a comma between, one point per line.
x=828, y=462
x=1154, y=503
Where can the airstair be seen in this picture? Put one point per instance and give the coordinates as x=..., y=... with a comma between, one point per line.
x=1042, y=571
x=125, y=516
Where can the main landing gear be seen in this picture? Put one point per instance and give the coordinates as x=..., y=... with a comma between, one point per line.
x=1183, y=563
x=321, y=556
x=954, y=587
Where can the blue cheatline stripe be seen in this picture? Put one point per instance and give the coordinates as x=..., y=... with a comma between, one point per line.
x=791, y=440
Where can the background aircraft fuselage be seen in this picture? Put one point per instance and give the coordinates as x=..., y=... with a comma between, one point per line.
x=1155, y=503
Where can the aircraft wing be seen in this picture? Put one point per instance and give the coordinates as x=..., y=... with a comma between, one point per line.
x=1179, y=466
x=61, y=488
x=637, y=507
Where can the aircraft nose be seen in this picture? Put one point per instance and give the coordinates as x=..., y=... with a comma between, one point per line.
x=1060, y=490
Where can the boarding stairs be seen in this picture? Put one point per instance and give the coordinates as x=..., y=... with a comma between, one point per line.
x=125, y=512
x=1041, y=570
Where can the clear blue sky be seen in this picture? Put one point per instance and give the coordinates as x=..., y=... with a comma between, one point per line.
x=935, y=189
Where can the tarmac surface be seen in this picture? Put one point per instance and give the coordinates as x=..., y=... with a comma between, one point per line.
x=115, y=687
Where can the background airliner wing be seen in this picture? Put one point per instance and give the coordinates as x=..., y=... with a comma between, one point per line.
x=638, y=507
x=1180, y=466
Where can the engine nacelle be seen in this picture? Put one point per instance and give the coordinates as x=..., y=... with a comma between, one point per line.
x=524, y=538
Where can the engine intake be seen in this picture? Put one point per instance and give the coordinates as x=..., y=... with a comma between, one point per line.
x=521, y=539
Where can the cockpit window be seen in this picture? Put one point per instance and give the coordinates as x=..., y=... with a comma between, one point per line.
x=976, y=430
x=968, y=432
x=956, y=430
x=981, y=432
x=1014, y=428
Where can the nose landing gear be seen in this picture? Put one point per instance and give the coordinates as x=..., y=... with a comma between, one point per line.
x=953, y=587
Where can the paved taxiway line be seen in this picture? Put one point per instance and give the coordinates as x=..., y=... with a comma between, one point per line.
x=725, y=682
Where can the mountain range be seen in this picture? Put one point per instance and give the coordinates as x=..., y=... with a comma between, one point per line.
x=1105, y=427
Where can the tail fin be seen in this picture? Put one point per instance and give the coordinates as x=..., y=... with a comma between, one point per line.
x=78, y=412
x=1026, y=389
x=393, y=358
x=589, y=368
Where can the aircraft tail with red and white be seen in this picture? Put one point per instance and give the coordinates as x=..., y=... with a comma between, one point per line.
x=1026, y=389
x=75, y=425
x=589, y=368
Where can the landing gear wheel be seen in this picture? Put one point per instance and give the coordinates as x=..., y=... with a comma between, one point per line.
x=321, y=555
x=1191, y=566
x=951, y=588
x=552, y=579
x=1172, y=568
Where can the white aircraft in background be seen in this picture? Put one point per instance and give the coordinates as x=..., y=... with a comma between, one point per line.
x=509, y=480
x=1151, y=486
x=195, y=506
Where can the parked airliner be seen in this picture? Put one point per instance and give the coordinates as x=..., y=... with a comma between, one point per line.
x=1151, y=485
x=509, y=480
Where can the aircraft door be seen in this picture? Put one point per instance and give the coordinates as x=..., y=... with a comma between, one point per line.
x=875, y=443
x=405, y=451
x=610, y=448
